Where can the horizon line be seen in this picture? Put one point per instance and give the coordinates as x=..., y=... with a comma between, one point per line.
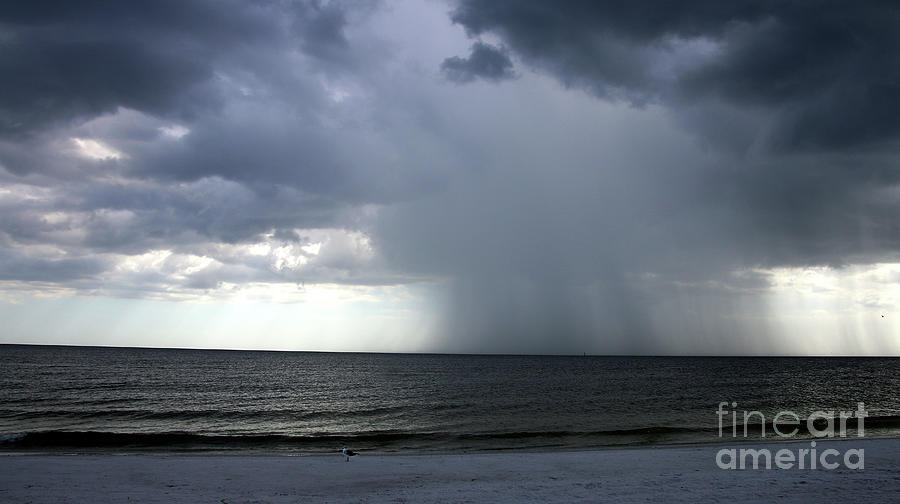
x=473, y=354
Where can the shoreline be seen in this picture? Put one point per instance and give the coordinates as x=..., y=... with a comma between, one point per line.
x=265, y=452
x=681, y=473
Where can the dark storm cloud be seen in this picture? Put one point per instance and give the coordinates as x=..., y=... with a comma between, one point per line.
x=797, y=107
x=826, y=73
x=794, y=106
x=246, y=79
x=64, y=61
x=559, y=220
x=223, y=119
x=485, y=61
x=321, y=29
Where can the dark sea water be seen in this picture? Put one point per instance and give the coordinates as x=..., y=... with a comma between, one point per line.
x=86, y=398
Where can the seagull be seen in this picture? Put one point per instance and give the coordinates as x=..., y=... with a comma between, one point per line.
x=346, y=452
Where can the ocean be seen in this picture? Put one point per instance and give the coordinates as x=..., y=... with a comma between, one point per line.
x=83, y=399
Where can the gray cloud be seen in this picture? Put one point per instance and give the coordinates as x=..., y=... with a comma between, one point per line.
x=826, y=75
x=485, y=62
x=228, y=129
x=632, y=209
x=15, y=265
x=67, y=62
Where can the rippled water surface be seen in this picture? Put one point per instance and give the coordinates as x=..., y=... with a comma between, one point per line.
x=87, y=398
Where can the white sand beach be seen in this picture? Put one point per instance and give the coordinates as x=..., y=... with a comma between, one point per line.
x=666, y=474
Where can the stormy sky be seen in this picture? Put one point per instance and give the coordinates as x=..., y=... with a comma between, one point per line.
x=452, y=176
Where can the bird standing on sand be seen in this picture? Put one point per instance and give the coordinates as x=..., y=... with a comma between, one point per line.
x=348, y=453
